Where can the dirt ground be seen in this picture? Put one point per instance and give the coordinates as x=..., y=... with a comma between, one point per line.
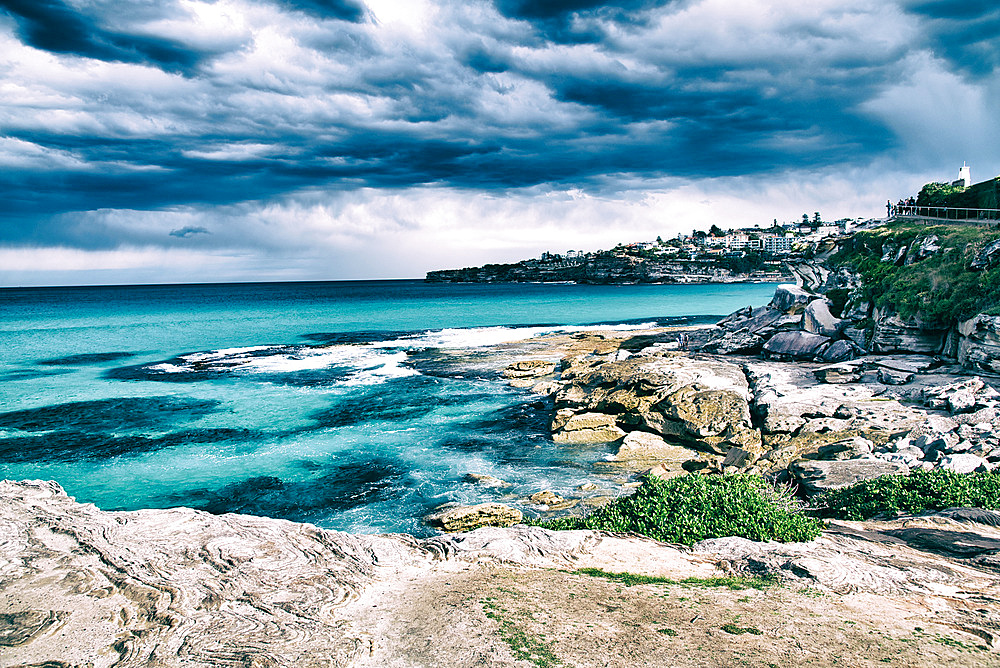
x=497, y=616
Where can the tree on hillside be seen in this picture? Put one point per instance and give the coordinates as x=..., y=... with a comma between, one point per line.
x=716, y=231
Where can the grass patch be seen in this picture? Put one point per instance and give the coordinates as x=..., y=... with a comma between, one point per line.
x=919, y=491
x=740, y=630
x=690, y=508
x=736, y=583
x=524, y=647
x=667, y=632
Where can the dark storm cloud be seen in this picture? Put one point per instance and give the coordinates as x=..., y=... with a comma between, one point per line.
x=52, y=25
x=966, y=33
x=574, y=93
x=344, y=10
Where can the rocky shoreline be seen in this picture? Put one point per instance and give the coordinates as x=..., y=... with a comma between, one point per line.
x=786, y=391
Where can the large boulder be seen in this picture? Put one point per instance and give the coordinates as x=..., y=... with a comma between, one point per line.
x=816, y=477
x=979, y=343
x=817, y=319
x=790, y=297
x=698, y=401
x=795, y=345
x=644, y=446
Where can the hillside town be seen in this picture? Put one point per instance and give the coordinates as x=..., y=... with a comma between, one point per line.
x=750, y=254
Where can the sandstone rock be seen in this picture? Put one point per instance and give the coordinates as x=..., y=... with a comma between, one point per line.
x=964, y=463
x=962, y=397
x=788, y=297
x=844, y=372
x=466, y=518
x=794, y=345
x=851, y=448
x=733, y=320
x=979, y=342
x=642, y=445
x=739, y=458
x=589, y=428
x=548, y=387
x=816, y=476
x=546, y=498
x=893, y=334
x=693, y=400
x=485, y=480
x=817, y=319
x=663, y=472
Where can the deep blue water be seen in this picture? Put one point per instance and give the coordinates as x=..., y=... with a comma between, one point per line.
x=315, y=402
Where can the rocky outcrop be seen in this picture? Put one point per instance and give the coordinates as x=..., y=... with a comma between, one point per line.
x=979, y=342
x=893, y=334
x=695, y=401
x=588, y=428
x=817, y=319
x=453, y=518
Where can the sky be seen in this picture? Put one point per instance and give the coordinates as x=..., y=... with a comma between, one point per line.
x=170, y=141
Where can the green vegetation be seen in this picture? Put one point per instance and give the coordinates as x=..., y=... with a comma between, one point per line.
x=667, y=632
x=739, y=630
x=938, y=290
x=937, y=194
x=922, y=490
x=736, y=583
x=693, y=507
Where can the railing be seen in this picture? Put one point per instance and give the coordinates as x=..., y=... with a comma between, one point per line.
x=946, y=213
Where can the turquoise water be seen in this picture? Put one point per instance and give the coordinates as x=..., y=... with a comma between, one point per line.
x=316, y=402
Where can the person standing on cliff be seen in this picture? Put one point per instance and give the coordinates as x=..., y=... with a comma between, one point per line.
x=888, y=208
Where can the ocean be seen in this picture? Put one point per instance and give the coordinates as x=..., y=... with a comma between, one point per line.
x=321, y=402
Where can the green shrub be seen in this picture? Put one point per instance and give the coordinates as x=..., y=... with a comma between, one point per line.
x=693, y=507
x=919, y=491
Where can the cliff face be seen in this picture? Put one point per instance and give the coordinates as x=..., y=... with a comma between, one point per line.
x=912, y=289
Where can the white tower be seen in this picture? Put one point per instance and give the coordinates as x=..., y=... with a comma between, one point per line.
x=965, y=175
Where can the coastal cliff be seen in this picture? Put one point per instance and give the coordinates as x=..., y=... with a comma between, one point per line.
x=605, y=268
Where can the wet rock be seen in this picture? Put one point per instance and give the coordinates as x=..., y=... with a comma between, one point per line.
x=546, y=498
x=466, y=518
x=529, y=369
x=485, y=480
x=817, y=476
x=589, y=428
x=794, y=346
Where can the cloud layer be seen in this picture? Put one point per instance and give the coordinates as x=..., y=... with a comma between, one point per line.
x=266, y=132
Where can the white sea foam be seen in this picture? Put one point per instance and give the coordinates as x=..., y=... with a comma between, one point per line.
x=482, y=337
